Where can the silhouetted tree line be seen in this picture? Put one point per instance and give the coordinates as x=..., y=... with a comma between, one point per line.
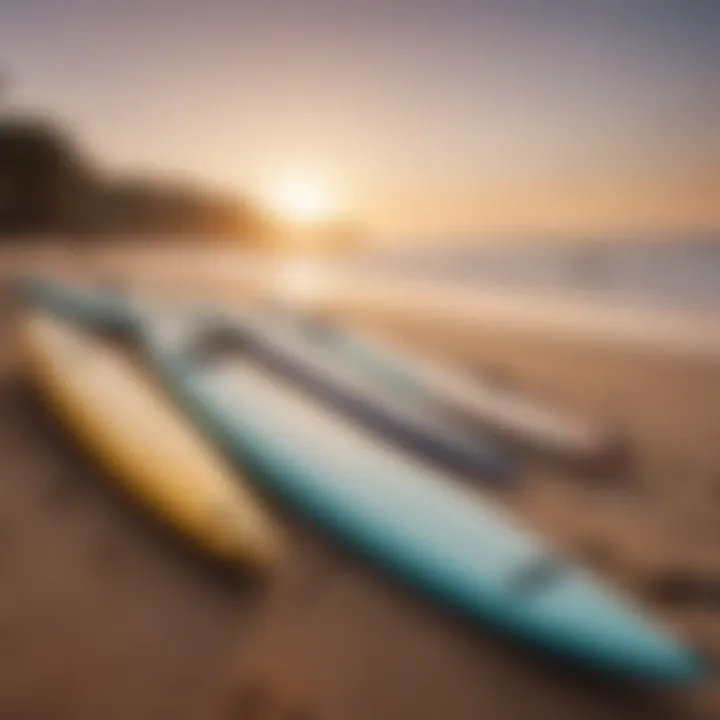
x=47, y=184
x=142, y=205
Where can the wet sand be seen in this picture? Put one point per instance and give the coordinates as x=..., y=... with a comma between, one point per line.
x=105, y=616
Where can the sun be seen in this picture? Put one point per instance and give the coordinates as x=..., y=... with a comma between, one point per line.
x=303, y=199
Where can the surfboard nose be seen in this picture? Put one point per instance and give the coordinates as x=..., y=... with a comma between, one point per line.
x=609, y=631
x=93, y=308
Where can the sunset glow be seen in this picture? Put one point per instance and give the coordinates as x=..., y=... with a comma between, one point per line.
x=302, y=199
x=465, y=118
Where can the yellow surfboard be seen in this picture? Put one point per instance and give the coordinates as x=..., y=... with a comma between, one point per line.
x=111, y=405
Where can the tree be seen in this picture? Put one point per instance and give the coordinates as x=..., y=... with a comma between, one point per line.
x=42, y=176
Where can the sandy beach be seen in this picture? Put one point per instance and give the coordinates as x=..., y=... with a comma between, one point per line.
x=106, y=617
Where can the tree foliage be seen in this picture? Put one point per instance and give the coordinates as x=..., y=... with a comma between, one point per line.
x=47, y=184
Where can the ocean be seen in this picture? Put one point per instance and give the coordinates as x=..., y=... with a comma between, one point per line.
x=679, y=273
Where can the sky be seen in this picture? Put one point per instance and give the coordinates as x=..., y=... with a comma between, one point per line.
x=422, y=118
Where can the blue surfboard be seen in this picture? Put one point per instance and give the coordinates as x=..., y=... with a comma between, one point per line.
x=441, y=537
x=102, y=309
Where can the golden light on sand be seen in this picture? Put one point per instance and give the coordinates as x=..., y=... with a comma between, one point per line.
x=301, y=281
x=303, y=199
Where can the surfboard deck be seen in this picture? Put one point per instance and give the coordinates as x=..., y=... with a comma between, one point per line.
x=441, y=537
x=105, y=309
x=517, y=418
x=405, y=421
x=151, y=450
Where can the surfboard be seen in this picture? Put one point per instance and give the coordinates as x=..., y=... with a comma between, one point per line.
x=105, y=309
x=518, y=418
x=442, y=537
x=109, y=403
x=405, y=421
